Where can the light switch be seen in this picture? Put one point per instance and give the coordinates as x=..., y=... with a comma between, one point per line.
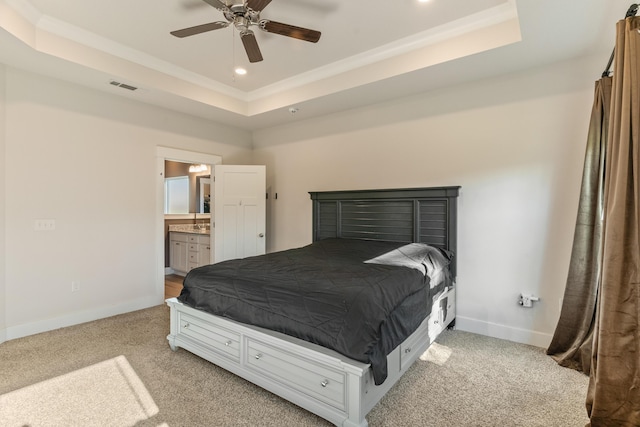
x=44, y=225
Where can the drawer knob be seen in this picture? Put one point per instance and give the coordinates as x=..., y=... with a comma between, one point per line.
x=228, y=343
x=258, y=356
x=186, y=325
x=436, y=322
x=324, y=383
x=407, y=350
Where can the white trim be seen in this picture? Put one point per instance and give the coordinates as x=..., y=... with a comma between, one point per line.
x=524, y=336
x=49, y=25
x=78, y=318
x=468, y=24
x=176, y=154
x=3, y=335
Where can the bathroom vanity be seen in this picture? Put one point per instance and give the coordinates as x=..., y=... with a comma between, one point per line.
x=189, y=247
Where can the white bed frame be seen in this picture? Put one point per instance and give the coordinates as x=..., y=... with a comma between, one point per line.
x=336, y=388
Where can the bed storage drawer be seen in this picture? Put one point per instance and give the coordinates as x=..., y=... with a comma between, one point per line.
x=218, y=339
x=411, y=346
x=447, y=310
x=308, y=377
x=443, y=313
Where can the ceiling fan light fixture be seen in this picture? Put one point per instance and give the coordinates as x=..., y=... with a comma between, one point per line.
x=198, y=168
x=240, y=71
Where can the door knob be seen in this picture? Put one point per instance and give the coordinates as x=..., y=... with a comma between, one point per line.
x=261, y=235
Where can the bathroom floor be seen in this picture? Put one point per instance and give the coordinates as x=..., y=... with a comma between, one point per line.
x=172, y=285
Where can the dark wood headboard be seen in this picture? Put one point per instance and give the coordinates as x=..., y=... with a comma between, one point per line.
x=424, y=215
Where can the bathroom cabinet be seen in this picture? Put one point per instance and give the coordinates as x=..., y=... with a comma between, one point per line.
x=188, y=250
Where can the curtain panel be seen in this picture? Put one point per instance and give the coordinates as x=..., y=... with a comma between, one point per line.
x=572, y=340
x=613, y=397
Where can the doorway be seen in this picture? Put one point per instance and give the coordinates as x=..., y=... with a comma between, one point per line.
x=177, y=155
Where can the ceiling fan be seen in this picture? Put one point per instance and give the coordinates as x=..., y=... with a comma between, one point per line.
x=246, y=13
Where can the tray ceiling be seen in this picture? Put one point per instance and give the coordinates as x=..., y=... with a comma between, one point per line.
x=370, y=51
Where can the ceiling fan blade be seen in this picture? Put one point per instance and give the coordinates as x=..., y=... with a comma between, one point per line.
x=257, y=5
x=191, y=31
x=217, y=4
x=290, y=31
x=251, y=46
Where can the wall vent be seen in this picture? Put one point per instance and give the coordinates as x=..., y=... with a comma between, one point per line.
x=122, y=85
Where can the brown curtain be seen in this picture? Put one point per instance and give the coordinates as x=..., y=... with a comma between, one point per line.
x=571, y=343
x=613, y=397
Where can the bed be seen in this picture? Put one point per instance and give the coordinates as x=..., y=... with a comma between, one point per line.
x=333, y=325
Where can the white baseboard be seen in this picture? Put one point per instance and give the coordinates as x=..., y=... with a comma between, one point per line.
x=76, y=318
x=3, y=335
x=168, y=270
x=524, y=336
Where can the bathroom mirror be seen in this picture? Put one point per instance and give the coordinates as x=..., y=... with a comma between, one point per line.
x=186, y=192
x=203, y=190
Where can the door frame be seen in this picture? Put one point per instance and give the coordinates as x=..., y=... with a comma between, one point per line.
x=177, y=155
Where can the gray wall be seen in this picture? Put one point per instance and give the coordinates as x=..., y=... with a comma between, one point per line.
x=514, y=143
x=97, y=175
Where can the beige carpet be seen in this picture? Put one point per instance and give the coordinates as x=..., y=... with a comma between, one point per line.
x=120, y=372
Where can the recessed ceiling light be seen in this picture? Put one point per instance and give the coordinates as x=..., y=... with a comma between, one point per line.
x=240, y=71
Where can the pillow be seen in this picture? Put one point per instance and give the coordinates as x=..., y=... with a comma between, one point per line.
x=429, y=260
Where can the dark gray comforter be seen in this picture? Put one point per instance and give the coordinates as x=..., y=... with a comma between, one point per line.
x=324, y=293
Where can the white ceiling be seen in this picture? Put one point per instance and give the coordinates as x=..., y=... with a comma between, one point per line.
x=370, y=50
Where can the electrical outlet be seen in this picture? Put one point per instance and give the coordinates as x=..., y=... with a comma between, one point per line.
x=44, y=225
x=75, y=286
x=527, y=300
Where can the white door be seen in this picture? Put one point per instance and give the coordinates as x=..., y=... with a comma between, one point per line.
x=239, y=208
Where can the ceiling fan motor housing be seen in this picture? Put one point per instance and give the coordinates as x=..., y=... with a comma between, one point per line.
x=238, y=12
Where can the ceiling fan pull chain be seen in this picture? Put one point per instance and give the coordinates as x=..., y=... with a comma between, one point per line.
x=233, y=57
